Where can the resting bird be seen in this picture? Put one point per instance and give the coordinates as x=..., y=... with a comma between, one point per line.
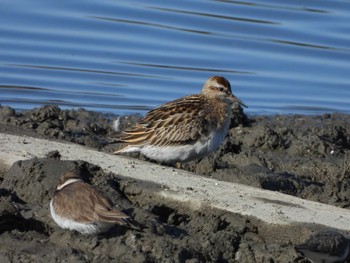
x=79, y=206
x=187, y=128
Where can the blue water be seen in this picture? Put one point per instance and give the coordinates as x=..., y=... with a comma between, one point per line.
x=130, y=56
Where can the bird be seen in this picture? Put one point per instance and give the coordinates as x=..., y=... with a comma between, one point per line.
x=184, y=129
x=326, y=246
x=77, y=205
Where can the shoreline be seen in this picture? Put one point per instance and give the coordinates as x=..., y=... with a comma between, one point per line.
x=302, y=156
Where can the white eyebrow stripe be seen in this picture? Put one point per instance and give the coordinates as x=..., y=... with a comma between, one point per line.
x=69, y=181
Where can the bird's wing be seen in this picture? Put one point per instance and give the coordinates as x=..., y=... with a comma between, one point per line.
x=105, y=211
x=175, y=123
x=82, y=202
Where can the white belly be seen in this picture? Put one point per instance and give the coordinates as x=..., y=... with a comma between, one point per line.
x=184, y=153
x=84, y=228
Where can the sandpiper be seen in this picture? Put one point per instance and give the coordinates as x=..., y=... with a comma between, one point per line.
x=187, y=128
x=79, y=206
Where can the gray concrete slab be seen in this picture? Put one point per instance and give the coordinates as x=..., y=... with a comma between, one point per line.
x=194, y=190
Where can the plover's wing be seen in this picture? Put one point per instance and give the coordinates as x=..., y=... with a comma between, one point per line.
x=104, y=209
x=83, y=203
x=175, y=123
x=73, y=203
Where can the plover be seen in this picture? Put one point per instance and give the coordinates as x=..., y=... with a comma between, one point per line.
x=79, y=206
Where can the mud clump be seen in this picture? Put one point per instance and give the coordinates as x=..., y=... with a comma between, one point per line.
x=303, y=156
x=79, y=126
x=170, y=232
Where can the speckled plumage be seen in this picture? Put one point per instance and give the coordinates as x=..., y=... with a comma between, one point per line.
x=186, y=128
x=79, y=206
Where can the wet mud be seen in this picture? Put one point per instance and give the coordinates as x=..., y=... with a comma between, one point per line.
x=303, y=156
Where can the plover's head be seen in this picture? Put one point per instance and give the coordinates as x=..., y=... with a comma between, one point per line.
x=67, y=178
x=219, y=87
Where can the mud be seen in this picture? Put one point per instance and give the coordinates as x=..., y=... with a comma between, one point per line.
x=304, y=156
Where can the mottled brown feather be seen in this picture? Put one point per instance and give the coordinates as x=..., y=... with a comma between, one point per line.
x=177, y=122
x=81, y=202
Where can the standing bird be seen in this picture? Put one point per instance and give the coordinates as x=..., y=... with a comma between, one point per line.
x=187, y=128
x=79, y=206
x=325, y=247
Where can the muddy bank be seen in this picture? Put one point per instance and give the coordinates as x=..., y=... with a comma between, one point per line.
x=298, y=155
x=170, y=231
x=304, y=156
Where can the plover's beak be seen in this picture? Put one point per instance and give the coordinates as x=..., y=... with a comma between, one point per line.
x=234, y=99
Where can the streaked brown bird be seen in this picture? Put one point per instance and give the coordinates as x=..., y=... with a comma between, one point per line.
x=187, y=128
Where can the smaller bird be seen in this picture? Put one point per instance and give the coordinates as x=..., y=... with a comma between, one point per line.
x=187, y=128
x=326, y=246
x=79, y=206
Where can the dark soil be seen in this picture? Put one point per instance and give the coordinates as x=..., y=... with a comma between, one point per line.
x=304, y=156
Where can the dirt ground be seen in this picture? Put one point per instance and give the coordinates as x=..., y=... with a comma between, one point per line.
x=304, y=156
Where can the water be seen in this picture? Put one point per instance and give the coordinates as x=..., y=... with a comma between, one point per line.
x=130, y=56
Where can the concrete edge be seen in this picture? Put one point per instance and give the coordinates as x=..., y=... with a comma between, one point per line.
x=182, y=186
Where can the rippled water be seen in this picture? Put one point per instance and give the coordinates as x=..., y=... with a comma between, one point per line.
x=130, y=56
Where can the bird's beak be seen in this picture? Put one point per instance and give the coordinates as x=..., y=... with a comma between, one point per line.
x=234, y=99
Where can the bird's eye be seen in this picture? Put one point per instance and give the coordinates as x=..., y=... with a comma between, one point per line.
x=221, y=88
